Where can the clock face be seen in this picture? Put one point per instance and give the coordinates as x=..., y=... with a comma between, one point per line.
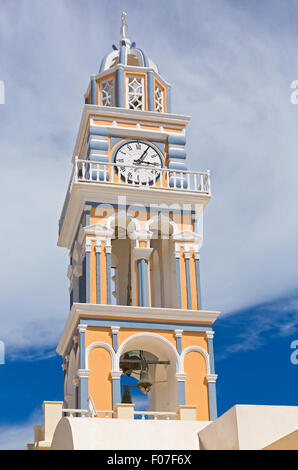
x=142, y=154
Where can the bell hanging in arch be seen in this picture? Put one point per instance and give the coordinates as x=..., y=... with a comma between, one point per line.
x=129, y=367
x=145, y=383
x=126, y=398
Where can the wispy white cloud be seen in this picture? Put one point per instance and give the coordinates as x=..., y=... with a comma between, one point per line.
x=231, y=65
x=253, y=328
x=17, y=436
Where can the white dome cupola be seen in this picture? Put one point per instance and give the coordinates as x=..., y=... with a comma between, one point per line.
x=128, y=78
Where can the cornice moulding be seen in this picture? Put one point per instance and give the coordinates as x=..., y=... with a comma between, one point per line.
x=129, y=312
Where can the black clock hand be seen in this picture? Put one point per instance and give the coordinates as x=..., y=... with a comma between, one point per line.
x=142, y=156
x=151, y=164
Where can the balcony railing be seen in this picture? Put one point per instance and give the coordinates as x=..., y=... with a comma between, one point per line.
x=141, y=176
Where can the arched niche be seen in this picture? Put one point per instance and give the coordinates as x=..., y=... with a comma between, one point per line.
x=100, y=383
x=163, y=395
x=162, y=263
x=196, y=387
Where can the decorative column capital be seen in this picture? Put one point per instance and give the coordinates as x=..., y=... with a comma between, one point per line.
x=142, y=235
x=115, y=329
x=197, y=255
x=98, y=246
x=83, y=373
x=178, y=333
x=142, y=253
x=82, y=328
x=211, y=378
x=180, y=377
x=186, y=254
x=116, y=374
x=177, y=250
x=108, y=249
x=88, y=245
x=210, y=334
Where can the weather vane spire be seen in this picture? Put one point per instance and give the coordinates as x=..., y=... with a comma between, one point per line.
x=123, y=25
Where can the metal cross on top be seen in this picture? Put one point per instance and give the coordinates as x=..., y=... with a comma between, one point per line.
x=123, y=25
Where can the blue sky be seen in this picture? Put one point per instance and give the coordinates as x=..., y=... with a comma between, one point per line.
x=231, y=65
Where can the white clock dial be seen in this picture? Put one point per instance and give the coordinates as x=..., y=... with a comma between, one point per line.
x=143, y=155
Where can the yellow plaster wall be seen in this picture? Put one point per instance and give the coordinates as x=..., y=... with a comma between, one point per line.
x=103, y=274
x=193, y=283
x=100, y=382
x=183, y=280
x=94, y=334
x=100, y=365
x=190, y=338
x=196, y=388
x=126, y=333
x=93, y=293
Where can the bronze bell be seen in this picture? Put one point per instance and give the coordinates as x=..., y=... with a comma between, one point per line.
x=126, y=398
x=129, y=367
x=145, y=383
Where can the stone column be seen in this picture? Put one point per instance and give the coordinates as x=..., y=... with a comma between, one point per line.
x=115, y=331
x=120, y=88
x=181, y=388
x=198, y=279
x=93, y=90
x=211, y=379
x=76, y=383
x=178, y=334
x=150, y=87
x=109, y=274
x=83, y=375
x=188, y=283
x=210, y=336
x=87, y=270
x=98, y=272
x=82, y=330
x=116, y=375
x=142, y=255
x=178, y=276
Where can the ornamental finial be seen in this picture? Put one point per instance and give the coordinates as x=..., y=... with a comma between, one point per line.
x=123, y=25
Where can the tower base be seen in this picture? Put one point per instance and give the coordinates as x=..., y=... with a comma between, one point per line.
x=124, y=434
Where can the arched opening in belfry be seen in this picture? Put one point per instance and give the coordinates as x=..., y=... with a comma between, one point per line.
x=162, y=265
x=157, y=373
x=121, y=261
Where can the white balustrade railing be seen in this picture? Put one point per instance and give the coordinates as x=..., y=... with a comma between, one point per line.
x=86, y=413
x=156, y=414
x=108, y=414
x=142, y=176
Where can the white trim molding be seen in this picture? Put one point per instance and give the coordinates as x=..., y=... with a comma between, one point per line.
x=82, y=328
x=211, y=378
x=150, y=335
x=115, y=329
x=178, y=333
x=100, y=344
x=181, y=377
x=198, y=349
x=83, y=373
x=210, y=334
x=116, y=374
x=129, y=312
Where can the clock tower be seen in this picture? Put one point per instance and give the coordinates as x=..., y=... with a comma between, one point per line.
x=132, y=221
